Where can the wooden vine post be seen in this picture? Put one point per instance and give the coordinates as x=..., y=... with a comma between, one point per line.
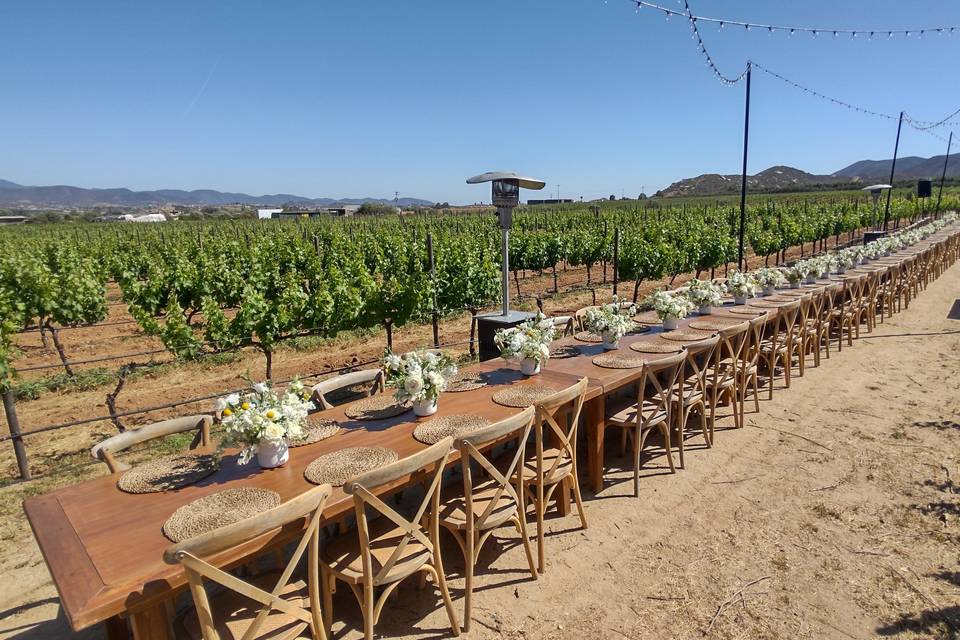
x=19, y=451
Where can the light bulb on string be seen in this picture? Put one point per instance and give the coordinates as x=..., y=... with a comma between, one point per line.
x=791, y=33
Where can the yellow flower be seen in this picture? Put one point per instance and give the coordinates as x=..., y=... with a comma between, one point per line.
x=271, y=414
x=245, y=406
x=227, y=412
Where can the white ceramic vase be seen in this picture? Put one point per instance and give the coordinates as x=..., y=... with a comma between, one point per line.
x=529, y=366
x=272, y=454
x=704, y=310
x=739, y=299
x=795, y=285
x=670, y=323
x=609, y=341
x=768, y=290
x=426, y=407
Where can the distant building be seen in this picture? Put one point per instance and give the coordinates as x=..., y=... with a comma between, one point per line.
x=266, y=214
x=551, y=201
x=279, y=214
x=150, y=217
x=12, y=219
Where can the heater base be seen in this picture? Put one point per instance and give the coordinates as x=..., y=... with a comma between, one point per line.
x=489, y=324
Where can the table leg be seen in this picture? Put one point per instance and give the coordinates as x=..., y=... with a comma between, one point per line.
x=116, y=628
x=595, y=428
x=152, y=623
x=562, y=497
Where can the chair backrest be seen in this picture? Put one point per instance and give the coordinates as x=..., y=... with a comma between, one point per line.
x=566, y=405
x=565, y=324
x=105, y=450
x=750, y=356
x=430, y=462
x=697, y=365
x=195, y=552
x=783, y=327
x=656, y=384
x=515, y=428
x=580, y=316
x=805, y=312
x=732, y=343
x=370, y=381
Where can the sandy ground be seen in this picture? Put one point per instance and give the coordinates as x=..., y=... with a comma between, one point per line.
x=832, y=514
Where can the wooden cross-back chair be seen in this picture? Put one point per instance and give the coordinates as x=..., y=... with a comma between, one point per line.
x=827, y=306
x=691, y=390
x=580, y=316
x=106, y=450
x=814, y=324
x=564, y=325
x=270, y=605
x=723, y=382
x=488, y=501
x=748, y=371
x=553, y=464
x=777, y=345
x=845, y=312
x=367, y=383
x=868, y=299
x=802, y=333
x=651, y=410
x=382, y=554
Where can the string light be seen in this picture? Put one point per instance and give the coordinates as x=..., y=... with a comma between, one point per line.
x=791, y=30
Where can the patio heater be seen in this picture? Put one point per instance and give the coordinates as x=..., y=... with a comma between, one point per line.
x=876, y=190
x=506, y=196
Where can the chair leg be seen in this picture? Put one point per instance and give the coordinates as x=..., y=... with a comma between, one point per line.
x=326, y=586
x=575, y=482
x=368, y=609
x=665, y=430
x=444, y=592
x=540, y=508
x=522, y=528
x=468, y=557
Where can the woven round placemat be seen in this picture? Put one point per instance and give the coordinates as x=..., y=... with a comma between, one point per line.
x=435, y=430
x=317, y=430
x=639, y=328
x=746, y=311
x=523, y=395
x=766, y=304
x=168, y=473
x=687, y=336
x=466, y=381
x=656, y=346
x=376, y=408
x=566, y=351
x=338, y=467
x=647, y=317
x=586, y=336
x=218, y=510
x=793, y=293
x=714, y=324
x=618, y=361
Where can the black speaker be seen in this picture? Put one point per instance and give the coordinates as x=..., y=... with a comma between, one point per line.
x=924, y=188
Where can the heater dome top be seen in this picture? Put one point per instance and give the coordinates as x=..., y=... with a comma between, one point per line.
x=491, y=176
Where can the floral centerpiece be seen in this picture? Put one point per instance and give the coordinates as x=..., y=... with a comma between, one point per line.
x=704, y=294
x=527, y=343
x=795, y=274
x=670, y=307
x=843, y=260
x=263, y=422
x=741, y=286
x=769, y=279
x=419, y=377
x=610, y=321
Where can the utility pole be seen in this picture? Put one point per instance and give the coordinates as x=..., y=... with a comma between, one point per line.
x=893, y=167
x=743, y=177
x=944, y=176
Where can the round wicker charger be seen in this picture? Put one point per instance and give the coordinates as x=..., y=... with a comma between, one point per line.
x=687, y=336
x=466, y=381
x=746, y=312
x=435, y=430
x=566, y=351
x=647, y=317
x=338, y=467
x=714, y=324
x=376, y=408
x=618, y=361
x=218, y=510
x=168, y=473
x=764, y=304
x=586, y=336
x=522, y=395
x=317, y=430
x=657, y=346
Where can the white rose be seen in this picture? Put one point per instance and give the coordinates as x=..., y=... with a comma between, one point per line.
x=233, y=398
x=413, y=385
x=435, y=378
x=273, y=431
x=221, y=404
x=260, y=387
x=393, y=362
x=545, y=351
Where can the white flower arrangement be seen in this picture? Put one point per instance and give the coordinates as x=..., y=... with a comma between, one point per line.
x=418, y=375
x=264, y=416
x=611, y=321
x=769, y=277
x=529, y=340
x=741, y=284
x=669, y=305
x=795, y=273
x=703, y=293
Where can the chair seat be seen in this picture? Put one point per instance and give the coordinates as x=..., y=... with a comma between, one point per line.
x=233, y=613
x=342, y=554
x=564, y=469
x=453, y=511
x=624, y=413
x=767, y=347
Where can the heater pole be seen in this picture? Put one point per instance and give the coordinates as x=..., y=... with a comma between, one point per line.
x=944, y=175
x=743, y=180
x=505, y=275
x=893, y=166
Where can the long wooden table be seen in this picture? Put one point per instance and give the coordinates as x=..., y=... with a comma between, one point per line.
x=104, y=547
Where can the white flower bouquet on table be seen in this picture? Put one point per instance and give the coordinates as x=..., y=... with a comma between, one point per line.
x=670, y=307
x=844, y=259
x=795, y=274
x=610, y=321
x=527, y=343
x=419, y=377
x=769, y=279
x=263, y=422
x=741, y=286
x=704, y=294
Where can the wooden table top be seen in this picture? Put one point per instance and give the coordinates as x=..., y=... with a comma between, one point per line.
x=104, y=547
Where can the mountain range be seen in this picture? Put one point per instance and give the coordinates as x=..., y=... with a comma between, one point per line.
x=16, y=195
x=783, y=178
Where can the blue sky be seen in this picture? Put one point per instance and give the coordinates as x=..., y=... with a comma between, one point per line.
x=360, y=98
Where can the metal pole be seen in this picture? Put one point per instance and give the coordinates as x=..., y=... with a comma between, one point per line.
x=893, y=167
x=505, y=285
x=19, y=451
x=944, y=176
x=616, y=259
x=743, y=181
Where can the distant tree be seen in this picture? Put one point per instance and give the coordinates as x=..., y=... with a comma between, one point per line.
x=376, y=209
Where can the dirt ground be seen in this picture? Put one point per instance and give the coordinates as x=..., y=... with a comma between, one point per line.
x=832, y=514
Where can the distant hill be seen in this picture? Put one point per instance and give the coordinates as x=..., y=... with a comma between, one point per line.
x=12, y=194
x=782, y=178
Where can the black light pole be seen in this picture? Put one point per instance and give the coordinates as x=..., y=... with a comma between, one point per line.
x=893, y=166
x=944, y=176
x=743, y=180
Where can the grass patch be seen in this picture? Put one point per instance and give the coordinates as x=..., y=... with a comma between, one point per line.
x=83, y=381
